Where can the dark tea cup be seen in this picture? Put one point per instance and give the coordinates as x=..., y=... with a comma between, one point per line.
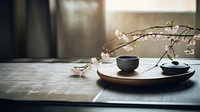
x=127, y=63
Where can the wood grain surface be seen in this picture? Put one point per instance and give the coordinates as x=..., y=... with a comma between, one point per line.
x=53, y=81
x=186, y=92
x=46, y=81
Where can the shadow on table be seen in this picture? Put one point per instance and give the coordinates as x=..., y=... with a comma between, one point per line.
x=147, y=89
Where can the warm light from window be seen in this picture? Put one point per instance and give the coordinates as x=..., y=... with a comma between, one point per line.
x=151, y=5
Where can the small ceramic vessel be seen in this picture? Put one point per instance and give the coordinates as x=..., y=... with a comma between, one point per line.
x=174, y=67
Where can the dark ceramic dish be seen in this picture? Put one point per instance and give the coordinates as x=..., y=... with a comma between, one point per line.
x=174, y=67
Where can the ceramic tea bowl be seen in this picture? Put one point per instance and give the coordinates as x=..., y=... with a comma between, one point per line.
x=127, y=63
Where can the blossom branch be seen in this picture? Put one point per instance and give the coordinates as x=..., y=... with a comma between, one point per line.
x=125, y=44
x=170, y=32
x=155, y=34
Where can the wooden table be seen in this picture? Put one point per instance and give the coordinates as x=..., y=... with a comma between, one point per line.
x=49, y=85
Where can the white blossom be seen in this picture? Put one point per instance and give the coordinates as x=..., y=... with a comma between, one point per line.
x=143, y=39
x=161, y=32
x=88, y=68
x=94, y=61
x=192, y=42
x=189, y=52
x=176, y=56
x=128, y=48
x=77, y=71
x=152, y=36
x=196, y=37
x=176, y=28
x=160, y=35
x=135, y=37
x=105, y=56
x=168, y=48
x=150, y=32
x=140, y=38
x=118, y=34
x=125, y=38
x=178, y=40
x=172, y=30
x=183, y=40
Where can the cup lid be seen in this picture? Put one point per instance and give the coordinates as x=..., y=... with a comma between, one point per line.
x=175, y=67
x=175, y=64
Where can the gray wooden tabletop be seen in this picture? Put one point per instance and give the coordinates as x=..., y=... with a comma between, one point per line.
x=52, y=80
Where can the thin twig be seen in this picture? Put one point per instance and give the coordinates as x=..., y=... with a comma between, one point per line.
x=157, y=27
x=161, y=58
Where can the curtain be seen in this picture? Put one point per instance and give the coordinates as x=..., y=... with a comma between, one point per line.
x=38, y=28
x=80, y=27
x=6, y=24
x=32, y=28
x=59, y=28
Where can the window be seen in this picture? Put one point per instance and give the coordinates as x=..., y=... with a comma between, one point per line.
x=130, y=15
x=151, y=5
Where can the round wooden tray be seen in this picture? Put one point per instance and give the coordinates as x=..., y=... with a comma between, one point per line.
x=144, y=75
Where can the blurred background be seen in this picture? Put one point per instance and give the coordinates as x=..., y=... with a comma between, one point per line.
x=79, y=28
